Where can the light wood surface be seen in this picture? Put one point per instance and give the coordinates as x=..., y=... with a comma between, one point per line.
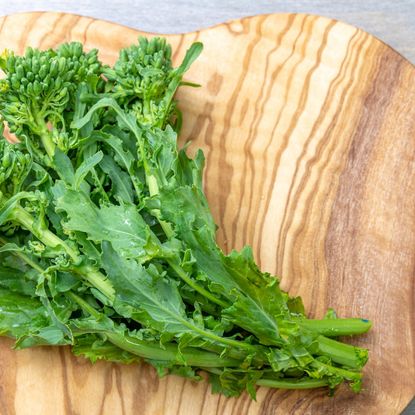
x=390, y=21
x=308, y=126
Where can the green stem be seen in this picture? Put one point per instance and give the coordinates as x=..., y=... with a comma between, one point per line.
x=337, y=371
x=24, y=257
x=93, y=276
x=218, y=339
x=153, y=188
x=168, y=353
x=303, y=383
x=97, y=279
x=281, y=383
x=183, y=275
x=99, y=185
x=46, y=236
x=342, y=353
x=168, y=230
x=336, y=327
x=46, y=139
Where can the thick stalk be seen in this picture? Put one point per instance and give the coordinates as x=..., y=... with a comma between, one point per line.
x=46, y=236
x=153, y=189
x=168, y=353
x=183, y=275
x=336, y=327
x=337, y=371
x=97, y=279
x=342, y=353
x=45, y=137
x=48, y=144
x=303, y=383
x=93, y=276
x=281, y=383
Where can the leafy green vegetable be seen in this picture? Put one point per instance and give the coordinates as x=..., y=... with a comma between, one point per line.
x=108, y=244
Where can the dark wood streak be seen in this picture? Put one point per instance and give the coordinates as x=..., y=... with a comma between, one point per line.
x=248, y=165
x=356, y=168
x=301, y=105
x=57, y=21
x=370, y=74
x=149, y=383
x=317, y=289
x=272, y=400
x=242, y=404
x=178, y=48
x=108, y=380
x=345, y=235
x=65, y=382
x=338, y=79
x=184, y=384
x=8, y=369
x=25, y=34
x=214, y=84
x=3, y=22
x=47, y=33
x=202, y=405
x=86, y=31
x=253, y=129
x=67, y=30
x=306, y=400
x=3, y=402
x=223, y=165
x=274, y=77
x=164, y=400
x=118, y=382
x=69, y=36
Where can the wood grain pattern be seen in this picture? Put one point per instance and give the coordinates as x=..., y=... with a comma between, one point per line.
x=391, y=21
x=308, y=126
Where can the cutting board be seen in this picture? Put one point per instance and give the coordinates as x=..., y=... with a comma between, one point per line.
x=308, y=127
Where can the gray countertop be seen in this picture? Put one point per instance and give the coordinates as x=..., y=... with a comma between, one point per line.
x=392, y=21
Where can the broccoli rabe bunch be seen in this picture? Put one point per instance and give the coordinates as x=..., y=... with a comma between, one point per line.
x=107, y=242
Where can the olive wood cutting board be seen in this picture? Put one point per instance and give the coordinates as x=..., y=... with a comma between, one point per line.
x=308, y=127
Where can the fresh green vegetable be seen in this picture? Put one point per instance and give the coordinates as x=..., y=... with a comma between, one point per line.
x=108, y=244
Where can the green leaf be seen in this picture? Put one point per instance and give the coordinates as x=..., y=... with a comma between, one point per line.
x=122, y=187
x=16, y=280
x=121, y=225
x=26, y=320
x=154, y=300
x=122, y=156
x=191, y=55
x=145, y=294
x=11, y=247
x=6, y=209
x=96, y=348
x=124, y=118
x=233, y=382
x=63, y=166
x=139, y=345
x=87, y=165
x=256, y=298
